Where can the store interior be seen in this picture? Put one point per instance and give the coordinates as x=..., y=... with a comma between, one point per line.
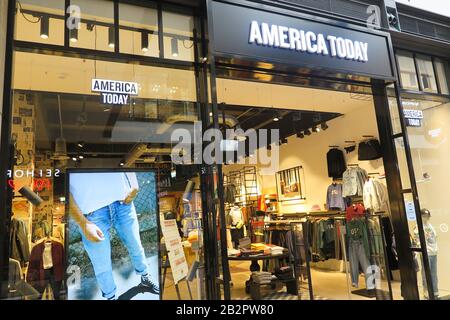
x=60, y=124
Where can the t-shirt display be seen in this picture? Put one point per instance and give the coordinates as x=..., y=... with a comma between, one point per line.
x=335, y=200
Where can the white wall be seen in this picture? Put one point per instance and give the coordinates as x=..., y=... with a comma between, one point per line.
x=310, y=153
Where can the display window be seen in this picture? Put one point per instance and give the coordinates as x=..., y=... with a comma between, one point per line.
x=428, y=136
x=99, y=210
x=301, y=227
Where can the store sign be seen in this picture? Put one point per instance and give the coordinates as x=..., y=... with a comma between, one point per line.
x=283, y=37
x=115, y=92
x=259, y=35
x=413, y=117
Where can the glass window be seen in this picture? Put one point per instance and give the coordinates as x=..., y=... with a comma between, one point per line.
x=407, y=69
x=97, y=25
x=60, y=124
x=178, y=36
x=430, y=147
x=138, y=30
x=40, y=21
x=402, y=163
x=442, y=75
x=426, y=73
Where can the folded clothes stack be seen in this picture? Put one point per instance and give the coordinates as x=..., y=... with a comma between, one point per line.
x=233, y=252
x=276, y=250
x=284, y=273
x=262, y=277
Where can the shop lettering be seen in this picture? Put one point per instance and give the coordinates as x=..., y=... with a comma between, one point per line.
x=114, y=92
x=413, y=117
x=287, y=38
x=42, y=173
x=113, y=98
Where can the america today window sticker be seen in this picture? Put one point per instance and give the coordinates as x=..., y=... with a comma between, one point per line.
x=115, y=92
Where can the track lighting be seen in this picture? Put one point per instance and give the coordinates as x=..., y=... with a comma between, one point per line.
x=283, y=141
x=121, y=163
x=111, y=37
x=45, y=25
x=74, y=158
x=80, y=144
x=277, y=117
x=324, y=126
x=73, y=35
x=316, y=129
x=300, y=135
x=307, y=132
x=174, y=45
x=144, y=41
x=269, y=147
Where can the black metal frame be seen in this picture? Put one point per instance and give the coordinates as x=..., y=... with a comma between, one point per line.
x=5, y=149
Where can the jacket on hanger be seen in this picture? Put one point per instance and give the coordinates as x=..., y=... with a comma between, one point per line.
x=36, y=271
x=19, y=247
x=336, y=163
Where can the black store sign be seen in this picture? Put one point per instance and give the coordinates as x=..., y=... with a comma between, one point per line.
x=255, y=34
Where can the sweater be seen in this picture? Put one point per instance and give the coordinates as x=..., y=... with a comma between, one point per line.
x=36, y=271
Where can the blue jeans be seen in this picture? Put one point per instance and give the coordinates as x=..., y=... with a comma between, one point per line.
x=123, y=218
x=433, y=269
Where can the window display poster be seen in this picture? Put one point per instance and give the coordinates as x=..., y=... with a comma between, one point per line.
x=113, y=239
x=176, y=256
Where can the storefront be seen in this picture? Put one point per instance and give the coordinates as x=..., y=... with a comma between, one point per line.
x=117, y=186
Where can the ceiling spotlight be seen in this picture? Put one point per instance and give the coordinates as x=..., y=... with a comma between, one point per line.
x=74, y=158
x=210, y=114
x=307, y=132
x=45, y=25
x=316, y=129
x=80, y=144
x=174, y=45
x=90, y=26
x=111, y=37
x=300, y=135
x=269, y=147
x=283, y=141
x=144, y=41
x=277, y=117
x=81, y=157
x=121, y=164
x=324, y=126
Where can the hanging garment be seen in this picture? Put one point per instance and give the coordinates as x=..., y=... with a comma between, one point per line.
x=335, y=201
x=358, y=258
x=355, y=211
x=336, y=163
x=353, y=180
x=369, y=150
x=39, y=277
x=14, y=272
x=230, y=192
x=375, y=196
x=359, y=250
x=19, y=247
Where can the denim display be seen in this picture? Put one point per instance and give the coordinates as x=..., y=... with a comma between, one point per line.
x=357, y=257
x=123, y=218
x=433, y=270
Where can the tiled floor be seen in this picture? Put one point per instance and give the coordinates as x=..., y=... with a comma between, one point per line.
x=327, y=285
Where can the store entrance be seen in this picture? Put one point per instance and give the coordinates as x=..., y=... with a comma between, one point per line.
x=314, y=222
